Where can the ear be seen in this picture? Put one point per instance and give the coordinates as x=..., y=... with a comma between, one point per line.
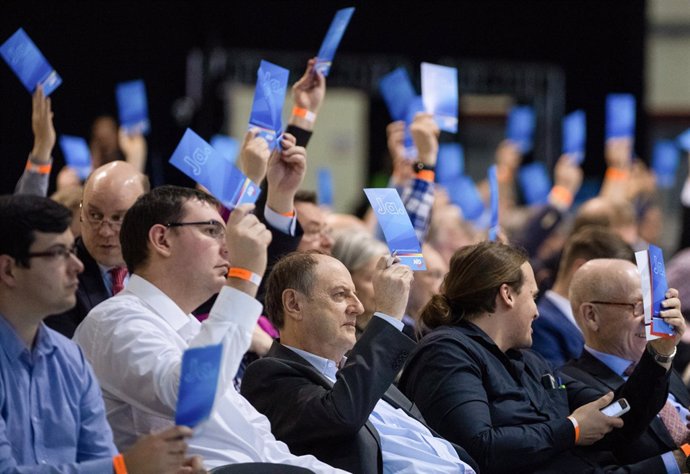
x=7, y=271
x=292, y=304
x=159, y=241
x=588, y=317
x=506, y=296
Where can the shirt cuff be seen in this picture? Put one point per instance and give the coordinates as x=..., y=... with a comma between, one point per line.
x=391, y=320
x=670, y=463
x=685, y=194
x=236, y=306
x=280, y=222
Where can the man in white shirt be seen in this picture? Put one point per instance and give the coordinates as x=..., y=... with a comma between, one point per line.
x=178, y=251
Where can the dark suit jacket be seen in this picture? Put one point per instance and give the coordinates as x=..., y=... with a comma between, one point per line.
x=555, y=337
x=91, y=292
x=331, y=421
x=656, y=439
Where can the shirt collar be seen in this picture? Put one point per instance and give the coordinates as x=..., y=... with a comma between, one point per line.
x=14, y=346
x=158, y=301
x=325, y=367
x=615, y=363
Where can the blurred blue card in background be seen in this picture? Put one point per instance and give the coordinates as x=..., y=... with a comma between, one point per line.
x=520, y=128
x=620, y=116
x=415, y=106
x=396, y=226
x=665, y=161
x=324, y=187
x=27, y=62
x=464, y=193
x=132, y=106
x=450, y=162
x=684, y=140
x=493, y=199
x=269, y=97
x=440, y=95
x=198, y=384
x=198, y=160
x=226, y=146
x=575, y=135
x=397, y=91
x=535, y=183
x=77, y=154
x=324, y=58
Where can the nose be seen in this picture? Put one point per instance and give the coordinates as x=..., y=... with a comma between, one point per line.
x=75, y=263
x=105, y=229
x=326, y=241
x=356, y=306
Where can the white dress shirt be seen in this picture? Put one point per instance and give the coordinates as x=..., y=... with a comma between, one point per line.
x=135, y=341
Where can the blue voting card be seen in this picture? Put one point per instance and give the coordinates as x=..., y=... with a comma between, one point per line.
x=77, y=154
x=464, y=193
x=620, y=116
x=226, y=146
x=269, y=97
x=440, y=95
x=657, y=271
x=665, y=161
x=132, y=106
x=397, y=91
x=684, y=140
x=413, y=108
x=450, y=162
x=535, y=183
x=493, y=199
x=396, y=226
x=520, y=128
x=198, y=384
x=201, y=162
x=29, y=64
x=324, y=187
x=324, y=58
x=575, y=135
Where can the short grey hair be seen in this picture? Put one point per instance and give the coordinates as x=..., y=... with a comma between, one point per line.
x=356, y=249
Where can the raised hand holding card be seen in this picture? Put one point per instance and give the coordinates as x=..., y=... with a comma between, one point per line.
x=29, y=64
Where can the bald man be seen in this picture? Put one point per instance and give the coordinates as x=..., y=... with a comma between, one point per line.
x=108, y=193
x=606, y=299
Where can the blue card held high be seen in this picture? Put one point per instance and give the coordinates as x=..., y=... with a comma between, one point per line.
x=440, y=95
x=226, y=146
x=535, y=183
x=414, y=107
x=575, y=135
x=324, y=58
x=397, y=91
x=198, y=160
x=493, y=186
x=620, y=116
x=650, y=265
x=450, y=162
x=132, y=106
x=198, y=384
x=77, y=154
x=520, y=128
x=684, y=140
x=27, y=62
x=464, y=193
x=324, y=187
x=269, y=96
x=665, y=161
x=396, y=226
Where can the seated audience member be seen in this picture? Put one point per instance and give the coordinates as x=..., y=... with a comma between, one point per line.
x=426, y=284
x=178, y=250
x=359, y=252
x=606, y=298
x=71, y=199
x=52, y=417
x=313, y=219
x=448, y=231
x=678, y=276
x=477, y=386
x=617, y=215
x=343, y=410
x=557, y=336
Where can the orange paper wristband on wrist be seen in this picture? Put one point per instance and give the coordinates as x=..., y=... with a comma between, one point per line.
x=244, y=274
x=617, y=174
x=119, y=464
x=307, y=115
x=40, y=169
x=576, y=425
x=426, y=175
x=562, y=195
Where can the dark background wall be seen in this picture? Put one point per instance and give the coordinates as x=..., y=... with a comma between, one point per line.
x=93, y=45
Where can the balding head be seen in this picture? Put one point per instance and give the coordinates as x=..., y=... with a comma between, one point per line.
x=108, y=193
x=618, y=216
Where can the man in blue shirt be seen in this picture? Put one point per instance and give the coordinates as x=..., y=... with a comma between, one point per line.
x=51, y=412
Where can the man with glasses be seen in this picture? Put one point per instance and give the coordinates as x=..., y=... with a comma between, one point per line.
x=606, y=299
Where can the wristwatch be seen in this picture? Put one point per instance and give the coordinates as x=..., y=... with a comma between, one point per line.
x=419, y=166
x=660, y=358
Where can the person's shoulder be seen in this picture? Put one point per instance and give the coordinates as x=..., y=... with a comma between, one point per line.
x=65, y=348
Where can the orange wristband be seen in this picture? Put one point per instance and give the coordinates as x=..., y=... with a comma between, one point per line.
x=426, y=175
x=562, y=195
x=307, y=115
x=577, y=428
x=288, y=214
x=119, y=464
x=40, y=169
x=244, y=274
x=686, y=449
x=616, y=174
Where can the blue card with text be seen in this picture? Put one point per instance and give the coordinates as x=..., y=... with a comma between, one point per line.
x=324, y=187
x=201, y=162
x=132, y=106
x=198, y=384
x=77, y=154
x=226, y=146
x=396, y=226
x=493, y=186
x=415, y=106
x=535, y=183
x=450, y=162
x=269, y=97
x=440, y=95
x=575, y=135
x=620, y=116
x=397, y=91
x=665, y=161
x=324, y=58
x=684, y=140
x=29, y=64
x=659, y=286
x=520, y=128
x=464, y=193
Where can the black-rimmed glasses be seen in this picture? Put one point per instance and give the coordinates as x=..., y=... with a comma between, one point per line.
x=211, y=228
x=637, y=308
x=54, y=253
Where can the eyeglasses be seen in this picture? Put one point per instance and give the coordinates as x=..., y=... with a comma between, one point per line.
x=637, y=308
x=211, y=228
x=97, y=219
x=64, y=252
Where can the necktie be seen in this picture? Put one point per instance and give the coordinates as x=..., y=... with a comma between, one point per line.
x=674, y=424
x=117, y=277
